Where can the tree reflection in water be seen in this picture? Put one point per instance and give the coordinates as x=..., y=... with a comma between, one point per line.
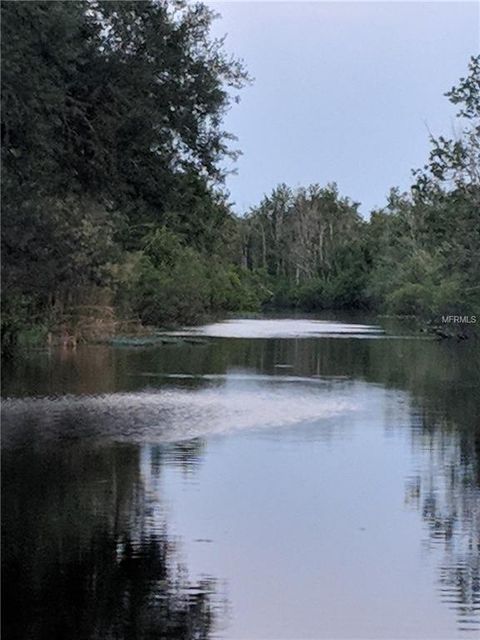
x=116, y=567
x=447, y=492
x=87, y=554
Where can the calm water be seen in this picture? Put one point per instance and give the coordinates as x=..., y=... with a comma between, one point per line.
x=279, y=479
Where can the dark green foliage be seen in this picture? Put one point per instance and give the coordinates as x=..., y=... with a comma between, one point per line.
x=112, y=151
x=165, y=295
x=425, y=246
x=124, y=97
x=169, y=282
x=112, y=134
x=310, y=243
x=419, y=256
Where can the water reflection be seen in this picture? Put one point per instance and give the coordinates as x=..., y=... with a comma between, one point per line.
x=90, y=437
x=173, y=414
x=87, y=551
x=447, y=492
x=281, y=328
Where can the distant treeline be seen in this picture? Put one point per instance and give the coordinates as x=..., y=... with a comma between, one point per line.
x=113, y=209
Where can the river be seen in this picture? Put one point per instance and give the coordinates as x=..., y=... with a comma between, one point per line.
x=274, y=478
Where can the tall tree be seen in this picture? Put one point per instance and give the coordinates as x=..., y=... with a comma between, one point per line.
x=111, y=123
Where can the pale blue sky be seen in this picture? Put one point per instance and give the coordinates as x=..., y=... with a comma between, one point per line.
x=343, y=91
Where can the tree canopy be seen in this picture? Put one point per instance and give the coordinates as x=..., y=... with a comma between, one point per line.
x=114, y=149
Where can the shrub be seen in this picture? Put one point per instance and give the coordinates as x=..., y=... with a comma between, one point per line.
x=411, y=299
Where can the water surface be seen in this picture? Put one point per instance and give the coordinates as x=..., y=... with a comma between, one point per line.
x=281, y=479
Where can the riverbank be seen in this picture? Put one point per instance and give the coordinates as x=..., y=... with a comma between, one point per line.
x=106, y=329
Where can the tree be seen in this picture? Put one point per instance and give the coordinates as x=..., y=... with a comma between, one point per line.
x=309, y=242
x=111, y=125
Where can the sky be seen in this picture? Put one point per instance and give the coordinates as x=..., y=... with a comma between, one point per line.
x=343, y=92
